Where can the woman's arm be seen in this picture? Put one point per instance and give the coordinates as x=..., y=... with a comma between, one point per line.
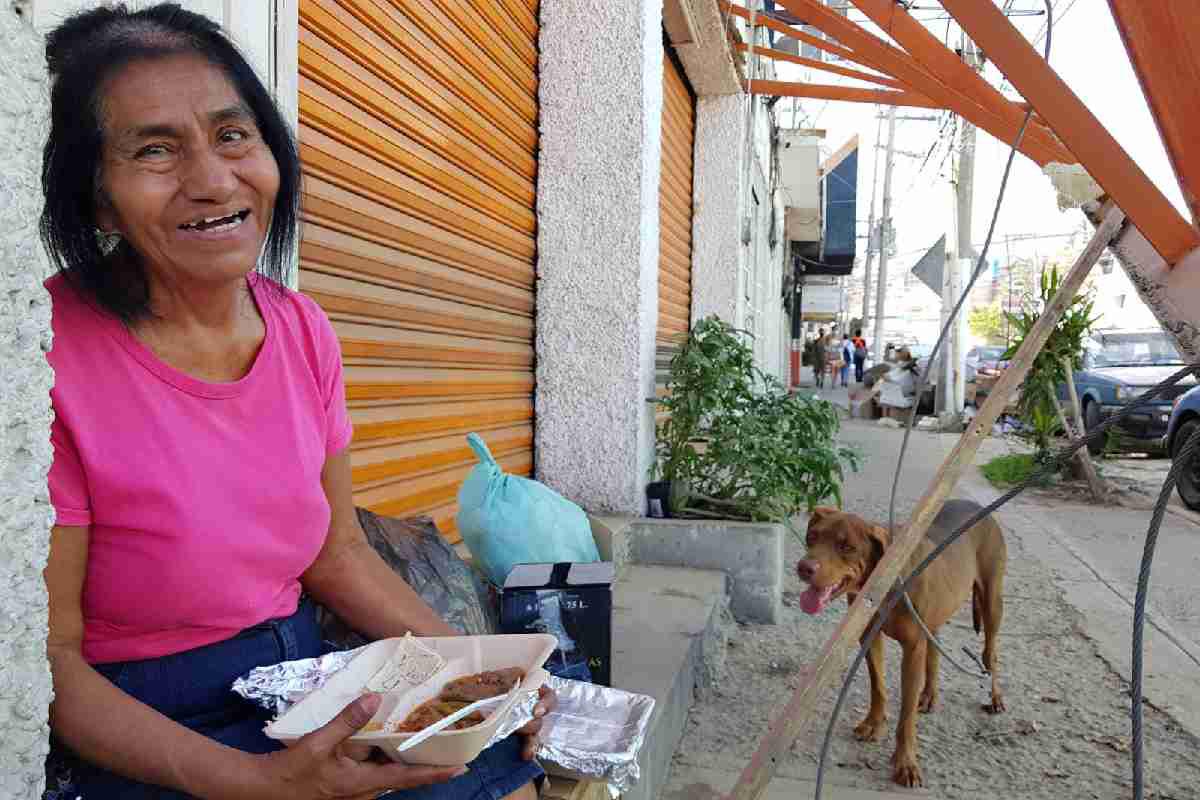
x=103, y=724
x=109, y=728
x=352, y=580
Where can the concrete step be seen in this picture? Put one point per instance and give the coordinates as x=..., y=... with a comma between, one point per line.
x=667, y=638
x=693, y=782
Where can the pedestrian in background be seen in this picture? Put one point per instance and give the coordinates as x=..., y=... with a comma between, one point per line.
x=820, y=358
x=860, y=355
x=847, y=358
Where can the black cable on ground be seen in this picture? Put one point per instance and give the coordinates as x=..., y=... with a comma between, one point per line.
x=1182, y=460
x=890, y=601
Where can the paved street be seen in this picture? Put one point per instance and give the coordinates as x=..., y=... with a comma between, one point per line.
x=1064, y=656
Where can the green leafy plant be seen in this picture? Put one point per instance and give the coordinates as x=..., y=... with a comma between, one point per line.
x=1038, y=404
x=736, y=444
x=1006, y=471
x=987, y=322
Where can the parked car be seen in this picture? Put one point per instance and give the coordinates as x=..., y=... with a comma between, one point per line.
x=1117, y=367
x=985, y=360
x=984, y=365
x=1185, y=420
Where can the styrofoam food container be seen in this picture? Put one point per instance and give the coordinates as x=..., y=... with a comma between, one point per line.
x=465, y=655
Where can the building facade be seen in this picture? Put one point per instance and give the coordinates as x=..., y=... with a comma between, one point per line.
x=510, y=211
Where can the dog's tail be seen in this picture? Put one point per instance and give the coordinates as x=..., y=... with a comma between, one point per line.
x=975, y=613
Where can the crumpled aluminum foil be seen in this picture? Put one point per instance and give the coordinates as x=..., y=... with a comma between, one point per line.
x=280, y=686
x=595, y=732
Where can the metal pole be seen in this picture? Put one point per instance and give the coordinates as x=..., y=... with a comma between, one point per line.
x=957, y=352
x=885, y=226
x=1008, y=297
x=871, y=229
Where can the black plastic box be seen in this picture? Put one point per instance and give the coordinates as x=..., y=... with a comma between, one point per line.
x=572, y=602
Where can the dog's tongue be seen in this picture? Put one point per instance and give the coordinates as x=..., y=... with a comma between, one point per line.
x=814, y=600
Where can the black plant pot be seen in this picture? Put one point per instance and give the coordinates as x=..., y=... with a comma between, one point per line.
x=658, y=496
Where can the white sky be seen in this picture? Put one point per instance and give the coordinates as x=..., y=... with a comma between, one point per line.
x=1088, y=54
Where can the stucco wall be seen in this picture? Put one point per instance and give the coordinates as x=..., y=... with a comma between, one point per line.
x=697, y=30
x=25, y=515
x=1168, y=293
x=718, y=187
x=600, y=89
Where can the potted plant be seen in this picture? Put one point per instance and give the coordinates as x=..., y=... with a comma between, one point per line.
x=734, y=443
x=712, y=373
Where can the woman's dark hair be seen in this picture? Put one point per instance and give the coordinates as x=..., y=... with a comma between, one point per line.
x=82, y=54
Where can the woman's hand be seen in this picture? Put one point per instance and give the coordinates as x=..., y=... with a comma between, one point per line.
x=324, y=765
x=547, y=702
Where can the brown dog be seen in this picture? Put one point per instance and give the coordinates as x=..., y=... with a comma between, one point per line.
x=843, y=550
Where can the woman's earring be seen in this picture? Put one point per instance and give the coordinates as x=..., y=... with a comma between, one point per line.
x=107, y=241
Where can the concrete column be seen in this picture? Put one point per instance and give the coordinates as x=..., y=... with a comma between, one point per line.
x=25, y=515
x=717, y=249
x=600, y=88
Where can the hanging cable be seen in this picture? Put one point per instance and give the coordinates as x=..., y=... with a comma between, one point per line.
x=921, y=383
x=1183, y=460
x=1049, y=467
x=953, y=315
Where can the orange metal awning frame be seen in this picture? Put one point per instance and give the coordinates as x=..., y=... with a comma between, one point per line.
x=924, y=73
x=1161, y=39
x=849, y=94
x=1095, y=148
x=812, y=63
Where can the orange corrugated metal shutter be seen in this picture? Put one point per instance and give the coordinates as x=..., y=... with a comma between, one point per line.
x=675, y=205
x=418, y=135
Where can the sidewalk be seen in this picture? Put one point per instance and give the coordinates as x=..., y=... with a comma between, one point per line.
x=1066, y=733
x=838, y=395
x=1094, y=560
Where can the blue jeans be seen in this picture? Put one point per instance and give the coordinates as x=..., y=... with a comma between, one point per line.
x=193, y=688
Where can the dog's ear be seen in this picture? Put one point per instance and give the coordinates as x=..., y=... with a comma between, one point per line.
x=821, y=511
x=880, y=539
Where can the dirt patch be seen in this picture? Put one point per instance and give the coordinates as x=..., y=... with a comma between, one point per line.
x=1132, y=481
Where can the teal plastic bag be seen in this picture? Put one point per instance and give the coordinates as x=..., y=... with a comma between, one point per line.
x=508, y=520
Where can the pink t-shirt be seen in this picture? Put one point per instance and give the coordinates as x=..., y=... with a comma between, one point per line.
x=203, y=500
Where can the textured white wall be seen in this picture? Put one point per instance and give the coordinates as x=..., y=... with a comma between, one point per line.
x=25, y=515
x=600, y=88
x=704, y=47
x=717, y=251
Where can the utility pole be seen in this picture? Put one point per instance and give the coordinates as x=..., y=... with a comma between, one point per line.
x=1008, y=297
x=952, y=381
x=885, y=226
x=871, y=228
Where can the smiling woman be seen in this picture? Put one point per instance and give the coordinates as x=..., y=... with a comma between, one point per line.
x=229, y=120
x=200, y=480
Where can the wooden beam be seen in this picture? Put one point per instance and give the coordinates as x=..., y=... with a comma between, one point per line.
x=948, y=67
x=1099, y=153
x=850, y=94
x=830, y=663
x=1161, y=38
x=812, y=63
x=837, y=158
x=900, y=65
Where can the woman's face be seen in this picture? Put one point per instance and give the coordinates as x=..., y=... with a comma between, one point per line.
x=185, y=176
